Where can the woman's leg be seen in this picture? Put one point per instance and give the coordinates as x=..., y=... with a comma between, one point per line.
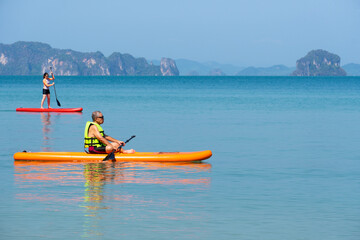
x=48, y=100
x=42, y=100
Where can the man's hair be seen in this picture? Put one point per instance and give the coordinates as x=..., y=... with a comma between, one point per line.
x=95, y=115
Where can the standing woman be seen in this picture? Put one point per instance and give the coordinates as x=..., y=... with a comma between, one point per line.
x=46, y=91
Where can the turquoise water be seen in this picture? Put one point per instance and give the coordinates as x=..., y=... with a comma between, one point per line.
x=285, y=164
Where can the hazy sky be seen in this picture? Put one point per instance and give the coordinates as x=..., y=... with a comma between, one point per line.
x=241, y=32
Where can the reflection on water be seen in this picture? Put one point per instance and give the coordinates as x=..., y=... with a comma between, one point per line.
x=96, y=176
x=111, y=172
x=49, y=121
x=96, y=187
x=46, y=129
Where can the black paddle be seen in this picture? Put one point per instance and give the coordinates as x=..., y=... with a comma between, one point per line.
x=111, y=156
x=58, y=103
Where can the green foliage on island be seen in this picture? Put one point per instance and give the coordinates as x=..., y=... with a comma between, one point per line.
x=319, y=63
x=131, y=66
x=33, y=58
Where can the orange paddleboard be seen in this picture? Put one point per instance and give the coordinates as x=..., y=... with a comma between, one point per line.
x=129, y=157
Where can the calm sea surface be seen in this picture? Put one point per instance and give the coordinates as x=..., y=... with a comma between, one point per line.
x=285, y=164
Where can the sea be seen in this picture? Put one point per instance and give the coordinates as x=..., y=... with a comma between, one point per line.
x=285, y=163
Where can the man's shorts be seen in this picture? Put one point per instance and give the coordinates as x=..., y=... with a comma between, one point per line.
x=46, y=91
x=93, y=149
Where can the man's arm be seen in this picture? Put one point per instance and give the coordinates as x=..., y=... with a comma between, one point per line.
x=95, y=131
x=114, y=140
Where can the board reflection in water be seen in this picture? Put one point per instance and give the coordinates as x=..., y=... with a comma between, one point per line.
x=97, y=190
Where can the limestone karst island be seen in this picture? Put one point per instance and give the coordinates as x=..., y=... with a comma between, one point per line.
x=34, y=58
x=319, y=63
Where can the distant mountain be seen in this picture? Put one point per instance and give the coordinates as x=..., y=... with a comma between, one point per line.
x=352, y=69
x=319, y=63
x=276, y=70
x=216, y=72
x=227, y=69
x=193, y=68
x=34, y=58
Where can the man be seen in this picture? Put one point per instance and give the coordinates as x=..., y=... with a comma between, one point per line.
x=97, y=141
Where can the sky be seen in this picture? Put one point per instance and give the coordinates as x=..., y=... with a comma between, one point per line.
x=244, y=33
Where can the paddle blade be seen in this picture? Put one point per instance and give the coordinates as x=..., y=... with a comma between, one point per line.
x=110, y=156
x=58, y=103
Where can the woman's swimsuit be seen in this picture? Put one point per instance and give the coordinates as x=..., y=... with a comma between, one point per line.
x=46, y=88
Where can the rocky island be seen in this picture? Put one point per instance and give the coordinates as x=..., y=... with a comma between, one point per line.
x=34, y=58
x=319, y=63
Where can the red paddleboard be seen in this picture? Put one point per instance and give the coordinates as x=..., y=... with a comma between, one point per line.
x=49, y=109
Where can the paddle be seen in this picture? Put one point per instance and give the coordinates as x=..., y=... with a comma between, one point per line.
x=111, y=156
x=58, y=103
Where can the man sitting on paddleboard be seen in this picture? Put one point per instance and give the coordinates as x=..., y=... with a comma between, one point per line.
x=97, y=141
x=46, y=91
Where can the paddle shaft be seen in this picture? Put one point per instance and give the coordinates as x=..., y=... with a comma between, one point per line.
x=127, y=141
x=57, y=101
x=112, y=154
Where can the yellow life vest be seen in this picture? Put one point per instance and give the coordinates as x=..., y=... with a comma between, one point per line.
x=92, y=141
